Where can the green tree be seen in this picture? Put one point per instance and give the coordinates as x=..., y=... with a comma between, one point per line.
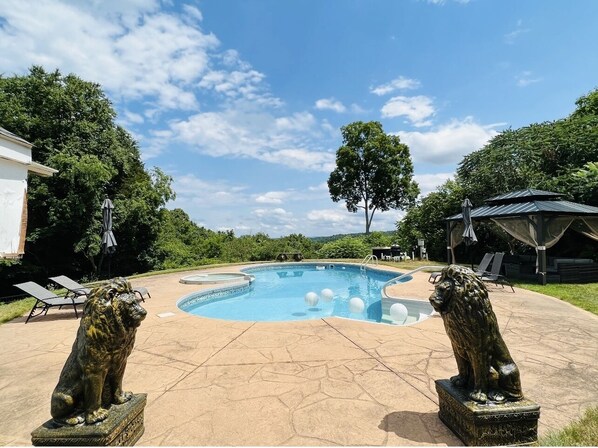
x=71, y=125
x=344, y=248
x=557, y=156
x=373, y=171
x=545, y=156
x=379, y=239
x=427, y=219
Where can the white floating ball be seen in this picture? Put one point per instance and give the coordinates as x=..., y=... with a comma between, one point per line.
x=356, y=305
x=327, y=295
x=311, y=298
x=398, y=312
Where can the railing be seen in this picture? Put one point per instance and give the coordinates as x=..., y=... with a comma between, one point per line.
x=395, y=280
x=368, y=259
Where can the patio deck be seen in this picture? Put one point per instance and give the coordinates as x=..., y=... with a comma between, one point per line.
x=320, y=382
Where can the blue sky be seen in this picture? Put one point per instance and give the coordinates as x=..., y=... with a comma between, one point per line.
x=241, y=101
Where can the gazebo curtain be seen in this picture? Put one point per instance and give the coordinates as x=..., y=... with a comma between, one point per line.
x=588, y=227
x=522, y=229
x=526, y=229
x=456, y=237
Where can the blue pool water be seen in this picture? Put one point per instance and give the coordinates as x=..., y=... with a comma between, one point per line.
x=278, y=294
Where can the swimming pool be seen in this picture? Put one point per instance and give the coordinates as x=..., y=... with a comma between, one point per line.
x=279, y=292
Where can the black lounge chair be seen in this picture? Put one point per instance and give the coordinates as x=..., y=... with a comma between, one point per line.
x=494, y=276
x=46, y=299
x=73, y=288
x=480, y=270
x=78, y=290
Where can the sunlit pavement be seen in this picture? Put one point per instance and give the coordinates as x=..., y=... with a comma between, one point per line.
x=319, y=382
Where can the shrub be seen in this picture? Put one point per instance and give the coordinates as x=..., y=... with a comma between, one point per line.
x=344, y=248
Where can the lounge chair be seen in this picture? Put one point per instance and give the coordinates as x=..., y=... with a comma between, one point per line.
x=46, y=299
x=480, y=270
x=494, y=276
x=73, y=288
x=78, y=290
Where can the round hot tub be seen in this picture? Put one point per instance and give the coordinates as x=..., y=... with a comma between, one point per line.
x=220, y=277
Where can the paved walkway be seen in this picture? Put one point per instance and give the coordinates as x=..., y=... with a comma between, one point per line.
x=321, y=382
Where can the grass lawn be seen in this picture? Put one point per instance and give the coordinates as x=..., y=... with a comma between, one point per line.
x=581, y=433
x=9, y=311
x=584, y=296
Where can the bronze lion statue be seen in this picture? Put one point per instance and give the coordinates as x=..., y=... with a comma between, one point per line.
x=91, y=379
x=485, y=366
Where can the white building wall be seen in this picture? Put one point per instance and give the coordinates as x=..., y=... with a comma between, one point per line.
x=13, y=186
x=14, y=151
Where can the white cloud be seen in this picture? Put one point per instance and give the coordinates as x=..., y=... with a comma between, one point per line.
x=300, y=122
x=245, y=83
x=213, y=193
x=400, y=83
x=417, y=109
x=525, y=79
x=271, y=197
x=430, y=182
x=129, y=48
x=275, y=219
x=280, y=213
x=511, y=37
x=448, y=143
x=339, y=220
x=256, y=134
x=333, y=216
x=132, y=117
x=330, y=104
x=193, y=12
x=323, y=187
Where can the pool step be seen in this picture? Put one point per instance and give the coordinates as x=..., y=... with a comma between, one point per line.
x=418, y=310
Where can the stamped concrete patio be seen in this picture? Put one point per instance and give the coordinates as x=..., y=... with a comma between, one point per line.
x=321, y=382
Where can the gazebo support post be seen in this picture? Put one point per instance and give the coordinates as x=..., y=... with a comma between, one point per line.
x=449, y=257
x=541, y=249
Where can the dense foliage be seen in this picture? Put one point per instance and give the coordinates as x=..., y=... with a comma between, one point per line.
x=373, y=171
x=181, y=242
x=556, y=156
x=345, y=248
x=71, y=125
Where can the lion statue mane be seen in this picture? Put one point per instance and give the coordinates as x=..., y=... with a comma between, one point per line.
x=486, y=369
x=91, y=379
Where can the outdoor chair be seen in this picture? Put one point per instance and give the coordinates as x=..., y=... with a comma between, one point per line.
x=494, y=276
x=480, y=270
x=483, y=266
x=78, y=290
x=73, y=288
x=46, y=299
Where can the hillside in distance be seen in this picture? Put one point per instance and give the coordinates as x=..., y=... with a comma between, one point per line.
x=327, y=239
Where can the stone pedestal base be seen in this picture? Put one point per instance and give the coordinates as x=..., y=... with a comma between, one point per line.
x=511, y=423
x=123, y=427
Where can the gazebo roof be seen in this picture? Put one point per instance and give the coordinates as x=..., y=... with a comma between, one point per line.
x=527, y=202
x=524, y=196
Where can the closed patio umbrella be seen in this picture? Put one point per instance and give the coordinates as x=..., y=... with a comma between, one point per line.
x=469, y=236
x=108, y=240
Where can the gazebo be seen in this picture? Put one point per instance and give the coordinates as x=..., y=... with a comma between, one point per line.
x=535, y=217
